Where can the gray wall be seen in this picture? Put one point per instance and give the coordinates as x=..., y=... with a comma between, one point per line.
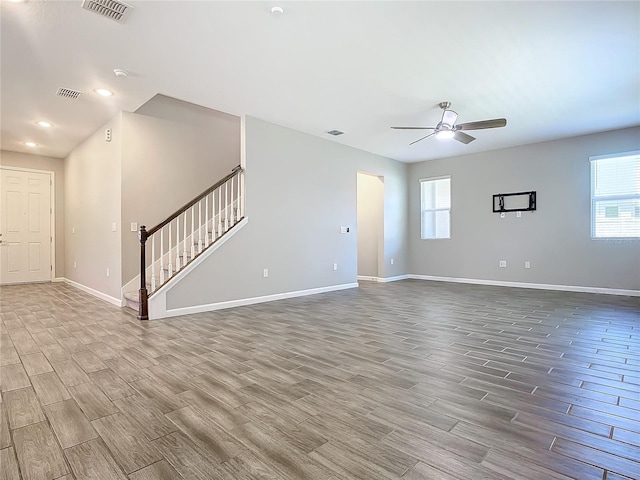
x=169, y=108
x=92, y=205
x=300, y=190
x=51, y=164
x=555, y=238
x=166, y=163
x=370, y=224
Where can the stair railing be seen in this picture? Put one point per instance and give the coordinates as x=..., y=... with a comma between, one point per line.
x=188, y=232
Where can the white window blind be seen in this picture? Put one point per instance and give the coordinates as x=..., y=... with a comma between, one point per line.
x=435, y=199
x=615, y=196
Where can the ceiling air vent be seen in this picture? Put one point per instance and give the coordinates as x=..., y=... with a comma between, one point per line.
x=335, y=132
x=68, y=93
x=117, y=11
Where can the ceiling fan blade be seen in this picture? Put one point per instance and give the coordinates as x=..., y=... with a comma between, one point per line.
x=422, y=138
x=481, y=125
x=414, y=128
x=463, y=137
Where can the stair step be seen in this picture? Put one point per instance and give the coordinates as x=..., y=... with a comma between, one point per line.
x=133, y=296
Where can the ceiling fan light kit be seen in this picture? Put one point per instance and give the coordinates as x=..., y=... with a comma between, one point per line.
x=447, y=127
x=445, y=134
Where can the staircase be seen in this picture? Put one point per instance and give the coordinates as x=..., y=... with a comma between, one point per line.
x=167, y=249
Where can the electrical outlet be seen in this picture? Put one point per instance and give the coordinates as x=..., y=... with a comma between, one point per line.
x=114, y=227
x=503, y=264
x=107, y=272
x=73, y=230
x=75, y=265
x=265, y=272
x=502, y=215
x=335, y=266
x=134, y=227
x=527, y=264
x=392, y=261
x=518, y=214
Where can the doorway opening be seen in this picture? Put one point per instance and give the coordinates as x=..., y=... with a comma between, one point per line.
x=370, y=220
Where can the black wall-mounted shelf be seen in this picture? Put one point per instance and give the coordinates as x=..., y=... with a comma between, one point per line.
x=499, y=202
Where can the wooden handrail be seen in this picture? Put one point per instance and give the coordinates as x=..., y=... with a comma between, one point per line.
x=187, y=205
x=144, y=234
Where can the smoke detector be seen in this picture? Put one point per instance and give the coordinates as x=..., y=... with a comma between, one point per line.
x=112, y=9
x=68, y=93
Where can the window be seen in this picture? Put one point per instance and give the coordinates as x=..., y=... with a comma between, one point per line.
x=615, y=196
x=435, y=199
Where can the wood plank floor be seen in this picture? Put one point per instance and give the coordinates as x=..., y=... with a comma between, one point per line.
x=412, y=380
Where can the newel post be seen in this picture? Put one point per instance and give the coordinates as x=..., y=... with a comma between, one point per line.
x=143, y=312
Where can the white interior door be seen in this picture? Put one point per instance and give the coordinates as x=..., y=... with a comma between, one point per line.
x=25, y=226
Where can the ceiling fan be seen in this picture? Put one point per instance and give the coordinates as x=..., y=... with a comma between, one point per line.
x=447, y=127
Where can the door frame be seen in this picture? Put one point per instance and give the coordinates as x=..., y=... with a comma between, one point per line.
x=52, y=214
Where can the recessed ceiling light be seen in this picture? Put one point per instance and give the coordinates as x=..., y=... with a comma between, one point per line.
x=104, y=92
x=277, y=10
x=118, y=72
x=44, y=124
x=30, y=144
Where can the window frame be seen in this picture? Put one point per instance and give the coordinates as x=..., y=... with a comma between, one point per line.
x=423, y=210
x=594, y=200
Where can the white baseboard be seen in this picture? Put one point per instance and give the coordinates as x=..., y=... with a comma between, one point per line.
x=393, y=279
x=537, y=286
x=58, y=280
x=367, y=278
x=103, y=296
x=156, y=313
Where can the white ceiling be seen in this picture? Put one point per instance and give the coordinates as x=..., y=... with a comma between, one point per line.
x=553, y=69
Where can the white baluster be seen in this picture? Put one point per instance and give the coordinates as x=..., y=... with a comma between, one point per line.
x=169, y=252
x=200, y=226
x=178, y=243
x=213, y=216
x=226, y=206
x=242, y=194
x=193, y=233
x=238, y=217
x=153, y=265
x=206, y=221
x=161, y=255
x=231, y=200
x=219, y=211
x=184, y=237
